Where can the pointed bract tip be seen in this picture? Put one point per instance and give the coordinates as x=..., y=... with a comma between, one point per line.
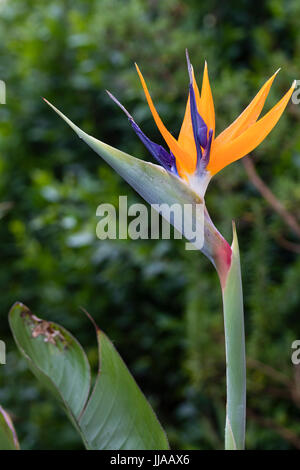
x=294, y=84
x=49, y=104
x=90, y=318
x=234, y=235
x=189, y=65
x=119, y=104
x=278, y=70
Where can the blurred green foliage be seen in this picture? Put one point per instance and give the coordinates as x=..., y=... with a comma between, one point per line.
x=160, y=304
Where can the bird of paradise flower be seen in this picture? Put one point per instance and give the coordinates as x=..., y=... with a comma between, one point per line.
x=197, y=154
x=182, y=176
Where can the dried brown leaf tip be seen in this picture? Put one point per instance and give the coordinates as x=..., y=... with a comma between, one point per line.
x=44, y=328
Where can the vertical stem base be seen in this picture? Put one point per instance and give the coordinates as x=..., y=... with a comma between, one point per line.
x=235, y=353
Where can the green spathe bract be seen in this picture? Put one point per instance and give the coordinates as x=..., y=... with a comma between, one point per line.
x=115, y=414
x=154, y=184
x=235, y=352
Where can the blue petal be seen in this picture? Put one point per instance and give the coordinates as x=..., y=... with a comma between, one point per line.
x=166, y=159
x=203, y=162
x=199, y=126
x=206, y=154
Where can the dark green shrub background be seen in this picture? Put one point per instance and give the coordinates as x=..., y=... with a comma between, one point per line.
x=159, y=304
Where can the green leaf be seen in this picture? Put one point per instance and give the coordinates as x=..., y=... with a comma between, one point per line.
x=235, y=353
x=115, y=414
x=54, y=356
x=8, y=435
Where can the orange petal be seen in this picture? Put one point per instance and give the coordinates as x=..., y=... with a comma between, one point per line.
x=206, y=103
x=186, y=138
x=251, y=138
x=248, y=116
x=186, y=135
x=183, y=157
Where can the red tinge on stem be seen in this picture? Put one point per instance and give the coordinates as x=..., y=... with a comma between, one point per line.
x=222, y=258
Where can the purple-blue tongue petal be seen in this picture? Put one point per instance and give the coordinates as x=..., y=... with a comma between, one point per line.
x=206, y=153
x=203, y=162
x=198, y=124
x=166, y=159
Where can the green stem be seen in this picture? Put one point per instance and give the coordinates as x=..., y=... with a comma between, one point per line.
x=235, y=353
